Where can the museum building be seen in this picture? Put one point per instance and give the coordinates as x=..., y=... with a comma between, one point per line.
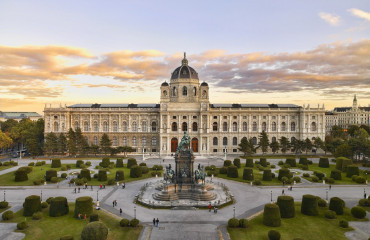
x=185, y=107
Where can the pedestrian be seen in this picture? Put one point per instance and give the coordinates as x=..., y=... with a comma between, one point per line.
x=79, y=216
x=210, y=207
x=104, y=186
x=329, y=186
x=282, y=192
x=91, y=187
x=101, y=186
x=153, y=222
x=75, y=190
x=214, y=209
x=122, y=186
x=365, y=195
x=85, y=216
x=78, y=190
x=157, y=221
x=113, y=203
x=120, y=211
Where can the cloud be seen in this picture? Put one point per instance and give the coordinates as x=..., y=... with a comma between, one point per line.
x=330, y=18
x=360, y=14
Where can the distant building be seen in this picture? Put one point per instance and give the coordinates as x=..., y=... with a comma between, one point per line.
x=34, y=116
x=347, y=116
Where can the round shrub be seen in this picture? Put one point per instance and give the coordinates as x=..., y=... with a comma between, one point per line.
x=94, y=217
x=233, y=223
x=50, y=173
x=314, y=179
x=280, y=163
x=227, y=163
x=84, y=205
x=134, y=222
x=111, y=181
x=358, y=212
x=120, y=175
x=4, y=204
x=31, y=205
x=54, y=180
x=63, y=175
x=37, y=216
x=337, y=205
x=105, y=162
x=85, y=173
x=31, y=164
x=343, y=224
x=119, y=162
x=237, y=162
x=286, y=206
x=94, y=231
x=20, y=175
x=330, y=214
x=321, y=202
x=223, y=170
x=58, y=207
x=257, y=182
x=6, y=163
x=345, y=164
x=309, y=205
x=157, y=167
x=320, y=175
x=267, y=176
x=286, y=165
x=336, y=174
x=247, y=174
x=283, y=172
x=263, y=162
x=135, y=171
x=243, y=223
x=303, y=161
x=306, y=174
x=79, y=163
x=22, y=225
x=67, y=237
x=44, y=204
x=232, y=171
x=142, y=164
x=304, y=167
x=272, y=166
x=360, y=179
x=56, y=163
x=291, y=161
x=8, y=215
x=273, y=235
x=132, y=162
x=102, y=175
x=249, y=162
x=88, y=163
x=144, y=169
x=362, y=203
x=297, y=179
x=96, y=175
x=124, y=222
x=271, y=215
x=324, y=162
x=38, y=164
x=48, y=201
x=352, y=170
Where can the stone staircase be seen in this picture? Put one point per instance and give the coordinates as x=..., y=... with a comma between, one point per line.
x=195, y=196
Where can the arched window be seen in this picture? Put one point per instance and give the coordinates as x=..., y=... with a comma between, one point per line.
x=48, y=126
x=313, y=126
x=264, y=126
x=124, y=141
x=184, y=127
x=254, y=127
x=62, y=127
x=143, y=141
x=215, y=127
x=144, y=127
x=154, y=126
x=254, y=140
x=115, y=143
x=224, y=126
x=283, y=127
x=124, y=126
x=77, y=125
x=235, y=127
x=95, y=140
x=174, y=91
x=195, y=126
x=235, y=141
x=292, y=139
x=56, y=127
x=134, y=141
x=115, y=127
x=87, y=140
x=292, y=126
x=134, y=127
x=174, y=126
x=195, y=91
x=245, y=126
x=273, y=126
x=105, y=127
x=224, y=141
x=154, y=141
x=273, y=139
x=215, y=141
x=204, y=94
x=184, y=91
x=96, y=127
x=86, y=126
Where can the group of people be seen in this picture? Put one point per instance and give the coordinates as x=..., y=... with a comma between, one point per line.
x=102, y=186
x=155, y=222
x=79, y=216
x=215, y=209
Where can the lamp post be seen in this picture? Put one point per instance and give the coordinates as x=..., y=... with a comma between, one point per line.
x=234, y=211
x=327, y=194
x=4, y=195
x=366, y=177
x=225, y=151
x=143, y=154
x=135, y=212
x=97, y=195
x=271, y=196
x=41, y=196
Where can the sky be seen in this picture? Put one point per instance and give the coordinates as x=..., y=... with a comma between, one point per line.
x=288, y=51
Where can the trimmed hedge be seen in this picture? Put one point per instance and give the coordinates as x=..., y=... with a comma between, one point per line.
x=263, y=162
x=124, y=222
x=271, y=215
x=22, y=225
x=358, y=212
x=20, y=175
x=135, y=171
x=267, y=176
x=37, y=216
x=31, y=205
x=343, y=224
x=102, y=175
x=119, y=162
x=352, y=170
x=232, y=171
x=56, y=163
x=84, y=205
x=79, y=163
x=274, y=235
x=243, y=223
x=50, y=173
x=44, y=204
x=286, y=206
x=85, y=173
x=345, y=164
x=4, y=204
x=237, y=162
x=309, y=205
x=339, y=163
x=223, y=170
x=291, y=161
x=144, y=169
x=105, y=162
x=227, y=163
x=131, y=162
x=329, y=214
x=94, y=217
x=336, y=174
x=94, y=231
x=324, y=162
x=337, y=205
x=321, y=202
x=134, y=222
x=120, y=175
x=248, y=174
x=8, y=215
x=58, y=207
x=249, y=162
x=303, y=161
x=27, y=169
x=233, y=223
x=283, y=172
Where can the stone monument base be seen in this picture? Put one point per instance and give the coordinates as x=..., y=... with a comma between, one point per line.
x=194, y=192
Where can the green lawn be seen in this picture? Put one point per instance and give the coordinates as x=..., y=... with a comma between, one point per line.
x=301, y=226
x=52, y=228
x=5, y=167
x=282, y=156
x=4, y=209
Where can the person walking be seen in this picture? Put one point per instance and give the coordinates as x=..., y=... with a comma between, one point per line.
x=282, y=192
x=157, y=221
x=75, y=190
x=329, y=186
x=153, y=222
x=78, y=190
x=113, y=203
x=210, y=207
x=120, y=211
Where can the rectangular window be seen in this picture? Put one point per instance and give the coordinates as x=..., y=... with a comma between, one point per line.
x=214, y=117
x=283, y=117
x=235, y=117
x=273, y=117
x=254, y=117
x=264, y=117
x=174, y=117
x=183, y=117
x=244, y=117
x=235, y=150
x=194, y=117
x=214, y=150
x=225, y=117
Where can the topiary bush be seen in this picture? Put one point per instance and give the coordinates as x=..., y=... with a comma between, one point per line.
x=249, y=162
x=257, y=182
x=237, y=162
x=227, y=163
x=79, y=163
x=271, y=215
x=336, y=174
x=85, y=173
x=291, y=161
x=54, y=180
x=134, y=222
x=58, y=207
x=243, y=223
x=119, y=162
x=44, y=204
x=31, y=164
x=283, y=172
x=20, y=175
x=94, y=217
x=352, y=170
x=56, y=163
x=273, y=235
x=94, y=231
x=360, y=179
x=362, y=203
x=4, y=204
x=324, y=162
x=223, y=170
x=358, y=212
x=102, y=175
x=233, y=223
x=8, y=215
x=135, y=171
x=37, y=216
x=111, y=181
x=314, y=179
x=247, y=174
x=31, y=205
x=22, y=225
x=232, y=171
x=38, y=164
x=309, y=205
x=144, y=169
x=267, y=176
x=343, y=224
x=286, y=206
x=263, y=162
x=132, y=162
x=320, y=175
x=330, y=214
x=105, y=162
x=63, y=175
x=337, y=205
x=50, y=173
x=84, y=205
x=303, y=161
x=48, y=201
x=345, y=164
x=339, y=163
x=120, y=175
x=124, y=222
x=321, y=202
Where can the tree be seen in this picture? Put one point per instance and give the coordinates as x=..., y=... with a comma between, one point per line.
x=307, y=145
x=344, y=150
x=318, y=144
x=62, y=144
x=298, y=145
x=247, y=147
x=352, y=130
x=284, y=144
x=125, y=150
x=94, y=149
x=105, y=143
x=71, y=142
x=51, y=143
x=5, y=140
x=337, y=132
x=367, y=128
x=359, y=142
x=275, y=146
x=8, y=125
x=263, y=141
x=81, y=143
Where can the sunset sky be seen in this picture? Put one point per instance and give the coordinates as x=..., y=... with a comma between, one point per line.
x=68, y=52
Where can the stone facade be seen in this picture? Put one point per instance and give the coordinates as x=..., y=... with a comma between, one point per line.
x=185, y=106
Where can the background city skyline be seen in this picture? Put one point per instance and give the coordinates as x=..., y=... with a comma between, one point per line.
x=120, y=52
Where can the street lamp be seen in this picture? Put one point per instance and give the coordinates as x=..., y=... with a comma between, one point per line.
x=135, y=212
x=97, y=195
x=4, y=195
x=271, y=196
x=234, y=211
x=225, y=152
x=326, y=194
x=41, y=196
